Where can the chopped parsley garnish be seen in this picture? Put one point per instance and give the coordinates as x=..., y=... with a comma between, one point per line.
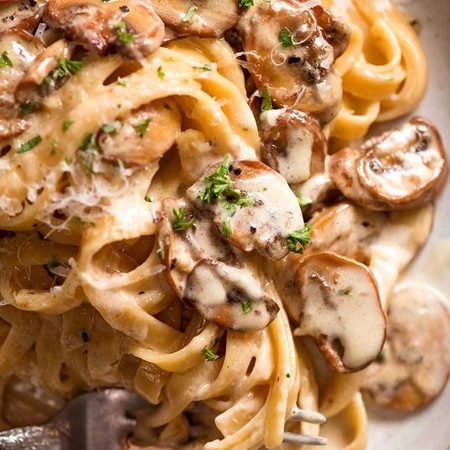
x=189, y=14
x=297, y=240
x=181, y=222
x=122, y=33
x=87, y=165
x=84, y=336
x=68, y=161
x=67, y=124
x=26, y=108
x=121, y=82
x=5, y=61
x=29, y=145
x=218, y=186
x=266, y=104
x=247, y=306
x=226, y=228
x=148, y=199
x=66, y=68
x=205, y=67
x=111, y=127
x=303, y=201
x=285, y=37
x=160, y=73
x=346, y=291
x=209, y=353
x=55, y=145
x=245, y=3
x=141, y=127
x=88, y=143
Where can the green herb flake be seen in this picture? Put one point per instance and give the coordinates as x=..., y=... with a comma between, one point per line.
x=303, y=201
x=68, y=161
x=218, y=186
x=141, y=127
x=84, y=336
x=67, y=124
x=288, y=375
x=204, y=68
x=29, y=145
x=26, y=108
x=226, y=229
x=297, y=240
x=111, y=127
x=88, y=143
x=189, y=14
x=55, y=146
x=181, y=222
x=346, y=291
x=122, y=33
x=87, y=165
x=285, y=37
x=65, y=68
x=245, y=3
x=266, y=104
x=5, y=61
x=160, y=72
x=148, y=199
x=121, y=82
x=209, y=354
x=247, y=306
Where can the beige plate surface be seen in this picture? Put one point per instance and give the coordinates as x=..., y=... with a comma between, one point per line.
x=428, y=429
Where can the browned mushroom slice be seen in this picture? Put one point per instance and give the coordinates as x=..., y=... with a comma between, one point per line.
x=289, y=55
x=414, y=366
x=186, y=237
x=205, y=18
x=293, y=144
x=132, y=27
x=256, y=211
x=21, y=15
x=19, y=50
x=340, y=308
x=30, y=90
x=400, y=169
x=144, y=135
x=229, y=297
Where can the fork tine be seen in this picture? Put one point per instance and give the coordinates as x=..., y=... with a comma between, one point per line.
x=295, y=438
x=299, y=415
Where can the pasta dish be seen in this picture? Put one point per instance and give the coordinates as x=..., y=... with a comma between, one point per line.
x=191, y=208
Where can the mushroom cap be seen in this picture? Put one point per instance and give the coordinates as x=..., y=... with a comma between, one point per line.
x=340, y=308
x=297, y=70
x=229, y=296
x=415, y=364
x=211, y=18
x=163, y=121
x=130, y=26
x=264, y=225
x=293, y=144
x=20, y=15
x=402, y=168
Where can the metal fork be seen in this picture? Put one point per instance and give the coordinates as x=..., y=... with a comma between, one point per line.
x=103, y=419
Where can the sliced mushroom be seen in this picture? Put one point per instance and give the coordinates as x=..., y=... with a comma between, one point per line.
x=21, y=15
x=229, y=297
x=205, y=18
x=21, y=48
x=195, y=256
x=132, y=27
x=345, y=229
x=289, y=55
x=340, y=308
x=414, y=366
x=400, y=169
x=31, y=89
x=269, y=210
x=144, y=135
x=292, y=144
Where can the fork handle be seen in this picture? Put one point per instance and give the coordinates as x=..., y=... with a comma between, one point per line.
x=39, y=438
